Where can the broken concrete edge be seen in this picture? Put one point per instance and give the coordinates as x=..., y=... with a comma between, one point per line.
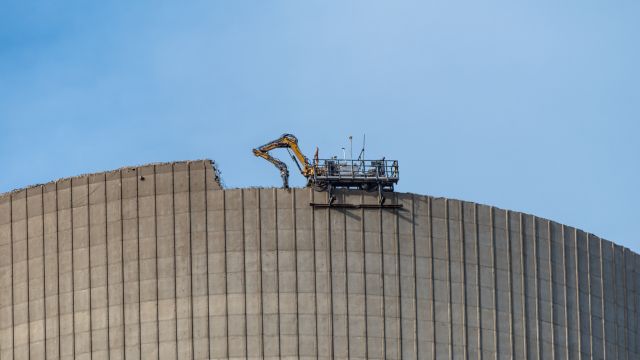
x=145, y=169
x=217, y=184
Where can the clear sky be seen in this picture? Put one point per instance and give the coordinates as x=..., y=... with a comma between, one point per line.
x=526, y=105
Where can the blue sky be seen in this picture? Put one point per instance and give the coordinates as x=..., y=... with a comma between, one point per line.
x=526, y=105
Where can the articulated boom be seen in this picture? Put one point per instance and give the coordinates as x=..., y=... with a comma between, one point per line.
x=287, y=141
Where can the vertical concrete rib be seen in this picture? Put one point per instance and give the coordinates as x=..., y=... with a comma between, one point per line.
x=138, y=264
x=536, y=266
x=175, y=256
x=330, y=279
x=193, y=345
x=509, y=288
x=277, y=276
x=384, y=295
x=90, y=272
x=525, y=326
x=73, y=275
x=619, y=335
x=399, y=282
x=260, y=269
x=346, y=278
x=577, y=280
x=226, y=271
x=549, y=298
x=511, y=296
x=363, y=250
x=450, y=285
x=463, y=252
x=107, y=283
x=364, y=278
x=588, y=262
x=602, y=313
x=295, y=269
x=495, y=282
x=625, y=302
x=315, y=269
x=44, y=277
x=565, y=287
x=124, y=327
x=206, y=247
x=551, y=290
x=433, y=304
x=415, y=278
x=156, y=259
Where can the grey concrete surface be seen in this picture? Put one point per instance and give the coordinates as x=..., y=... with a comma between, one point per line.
x=158, y=262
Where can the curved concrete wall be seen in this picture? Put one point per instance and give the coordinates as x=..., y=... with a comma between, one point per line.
x=158, y=262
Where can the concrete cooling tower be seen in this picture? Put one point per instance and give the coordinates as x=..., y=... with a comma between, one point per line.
x=160, y=262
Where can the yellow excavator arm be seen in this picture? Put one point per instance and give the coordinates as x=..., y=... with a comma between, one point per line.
x=287, y=141
x=332, y=173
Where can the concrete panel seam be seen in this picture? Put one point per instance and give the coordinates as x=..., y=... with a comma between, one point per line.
x=510, y=267
x=415, y=278
x=155, y=233
x=58, y=265
x=44, y=277
x=295, y=267
x=384, y=297
x=450, y=304
x=495, y=280
x=315, y=268
x=577, y=280
x=124, y=327
x=399, y=280
x=206, y=249
x=13, y=326
x=551, y=277
x=73, y=280
x=193, y=345
x=588, y=261
x=244, y=273
x=90, y=270
x=138, y=264
x=602, y=300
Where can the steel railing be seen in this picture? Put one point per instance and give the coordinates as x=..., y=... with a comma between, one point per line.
x=378, y=170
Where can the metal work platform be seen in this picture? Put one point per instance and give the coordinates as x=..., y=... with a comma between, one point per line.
x=369, y=175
